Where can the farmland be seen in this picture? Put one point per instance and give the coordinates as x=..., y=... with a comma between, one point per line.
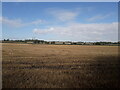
x=59, y=66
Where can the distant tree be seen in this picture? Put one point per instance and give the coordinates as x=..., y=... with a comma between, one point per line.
x=4, y=40
x=7, y=40
x=97, y=43
x=53, y=42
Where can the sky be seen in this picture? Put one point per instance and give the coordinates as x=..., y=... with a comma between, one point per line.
x=64, y=21
x=60, y=0
x=0, y=21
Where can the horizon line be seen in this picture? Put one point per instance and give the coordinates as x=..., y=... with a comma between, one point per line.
x=62, y=40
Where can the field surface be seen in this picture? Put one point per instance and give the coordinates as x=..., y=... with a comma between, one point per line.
x=59, y=66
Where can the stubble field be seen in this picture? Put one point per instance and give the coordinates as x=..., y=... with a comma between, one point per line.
x=59, y=66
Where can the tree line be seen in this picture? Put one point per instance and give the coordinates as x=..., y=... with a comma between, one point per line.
x=36, y=41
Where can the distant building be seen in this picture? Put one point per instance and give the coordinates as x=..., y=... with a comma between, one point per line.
x=67, y=43
x=59, y=43
x=79, y=43
x=34, y=41
x=89, y=43
x=30, y=42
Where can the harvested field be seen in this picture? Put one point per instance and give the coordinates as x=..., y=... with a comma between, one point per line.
x=59, y=66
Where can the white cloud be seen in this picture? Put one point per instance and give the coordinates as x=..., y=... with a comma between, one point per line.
x=0, y=19
x=63, y=14
x=13, y=23
x=37, y=22
x=18, y=22
x=84, y=32
x=99, y=17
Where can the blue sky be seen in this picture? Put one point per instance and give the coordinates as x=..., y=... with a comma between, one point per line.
x=0, y=21
x=79, y=21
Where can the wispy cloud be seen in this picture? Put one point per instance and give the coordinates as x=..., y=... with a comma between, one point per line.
x=99, y=17
x=0, y=19
x=63, y=14
x=86, y=32
x=36, y=22
x=18, y=22
x=13, y=23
